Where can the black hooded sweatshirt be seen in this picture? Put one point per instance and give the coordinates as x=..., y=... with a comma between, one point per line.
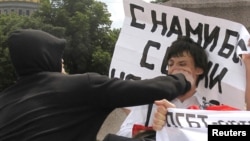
x=47, y=105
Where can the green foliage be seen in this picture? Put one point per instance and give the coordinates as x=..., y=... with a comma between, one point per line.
x=7, y=74
x=85, y=24
x=101, y=60
x=9, y=23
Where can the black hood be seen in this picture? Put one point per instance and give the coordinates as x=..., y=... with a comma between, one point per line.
x=34, y=51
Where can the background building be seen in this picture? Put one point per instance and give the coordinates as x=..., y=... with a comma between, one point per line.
x=21, y=7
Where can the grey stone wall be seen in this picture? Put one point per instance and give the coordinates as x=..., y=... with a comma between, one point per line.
x=234, y=10
x=112, y=123
x=21, y=8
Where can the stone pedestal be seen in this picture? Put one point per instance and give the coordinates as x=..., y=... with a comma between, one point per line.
x=112, y=123
x=234, y=10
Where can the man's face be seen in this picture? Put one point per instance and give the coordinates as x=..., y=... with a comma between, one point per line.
x=63, y=70
x=184, y=63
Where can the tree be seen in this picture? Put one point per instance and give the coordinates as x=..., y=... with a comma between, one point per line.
x=84, y=24
x=9, y=23
x=7, y=73
x=87, y=29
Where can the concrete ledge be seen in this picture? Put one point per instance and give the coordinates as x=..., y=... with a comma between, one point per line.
x=208, y=3
x=234, y=10
x=112, y=123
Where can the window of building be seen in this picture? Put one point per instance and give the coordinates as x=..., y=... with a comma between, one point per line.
x=20, y=12
x=27, y=12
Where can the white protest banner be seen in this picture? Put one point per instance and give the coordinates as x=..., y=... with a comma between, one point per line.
x=192, y=125
x=149, y=29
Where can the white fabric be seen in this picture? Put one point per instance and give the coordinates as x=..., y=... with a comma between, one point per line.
x=138, y=114
x=225, y=81
x=180, y=128
x=141, y=41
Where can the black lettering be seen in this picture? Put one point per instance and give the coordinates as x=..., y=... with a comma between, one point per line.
x=221, y=122
x=175, y=27
x=192, y=123
x=164, y=63
x=241, y=44
x=214, y=102
x=242, y=123
x=122, y=75
x=235, y=57
x=213, y=79
x=198, y=30
x=134, y=21
x=232, y=122
x=227, y=49
x=177, y=118
x=203, y=117
x=143, y=62
x=112, y=75
x=132, y=77
x=170, y=115
x=206, y=76
x=213, y=36
x=163, y=22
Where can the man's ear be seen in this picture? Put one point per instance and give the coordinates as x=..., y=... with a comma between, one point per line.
x=199, y=71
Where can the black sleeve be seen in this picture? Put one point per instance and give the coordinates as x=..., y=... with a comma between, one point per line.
x=115, y=93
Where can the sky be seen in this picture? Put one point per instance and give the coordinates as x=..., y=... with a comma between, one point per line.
x=115, y=7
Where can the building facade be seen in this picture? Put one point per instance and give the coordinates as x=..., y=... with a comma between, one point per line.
x=233, y=10
x=20, y=7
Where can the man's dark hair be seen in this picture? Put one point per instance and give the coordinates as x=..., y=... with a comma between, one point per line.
x=185, y=44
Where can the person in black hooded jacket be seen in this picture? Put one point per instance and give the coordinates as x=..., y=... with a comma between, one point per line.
x=47, y=105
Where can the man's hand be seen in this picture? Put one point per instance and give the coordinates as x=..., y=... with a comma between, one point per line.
x=160, y=115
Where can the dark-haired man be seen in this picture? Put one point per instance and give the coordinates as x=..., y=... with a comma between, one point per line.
x=183, y=56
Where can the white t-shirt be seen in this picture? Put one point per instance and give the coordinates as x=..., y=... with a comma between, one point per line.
x=138, y=114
